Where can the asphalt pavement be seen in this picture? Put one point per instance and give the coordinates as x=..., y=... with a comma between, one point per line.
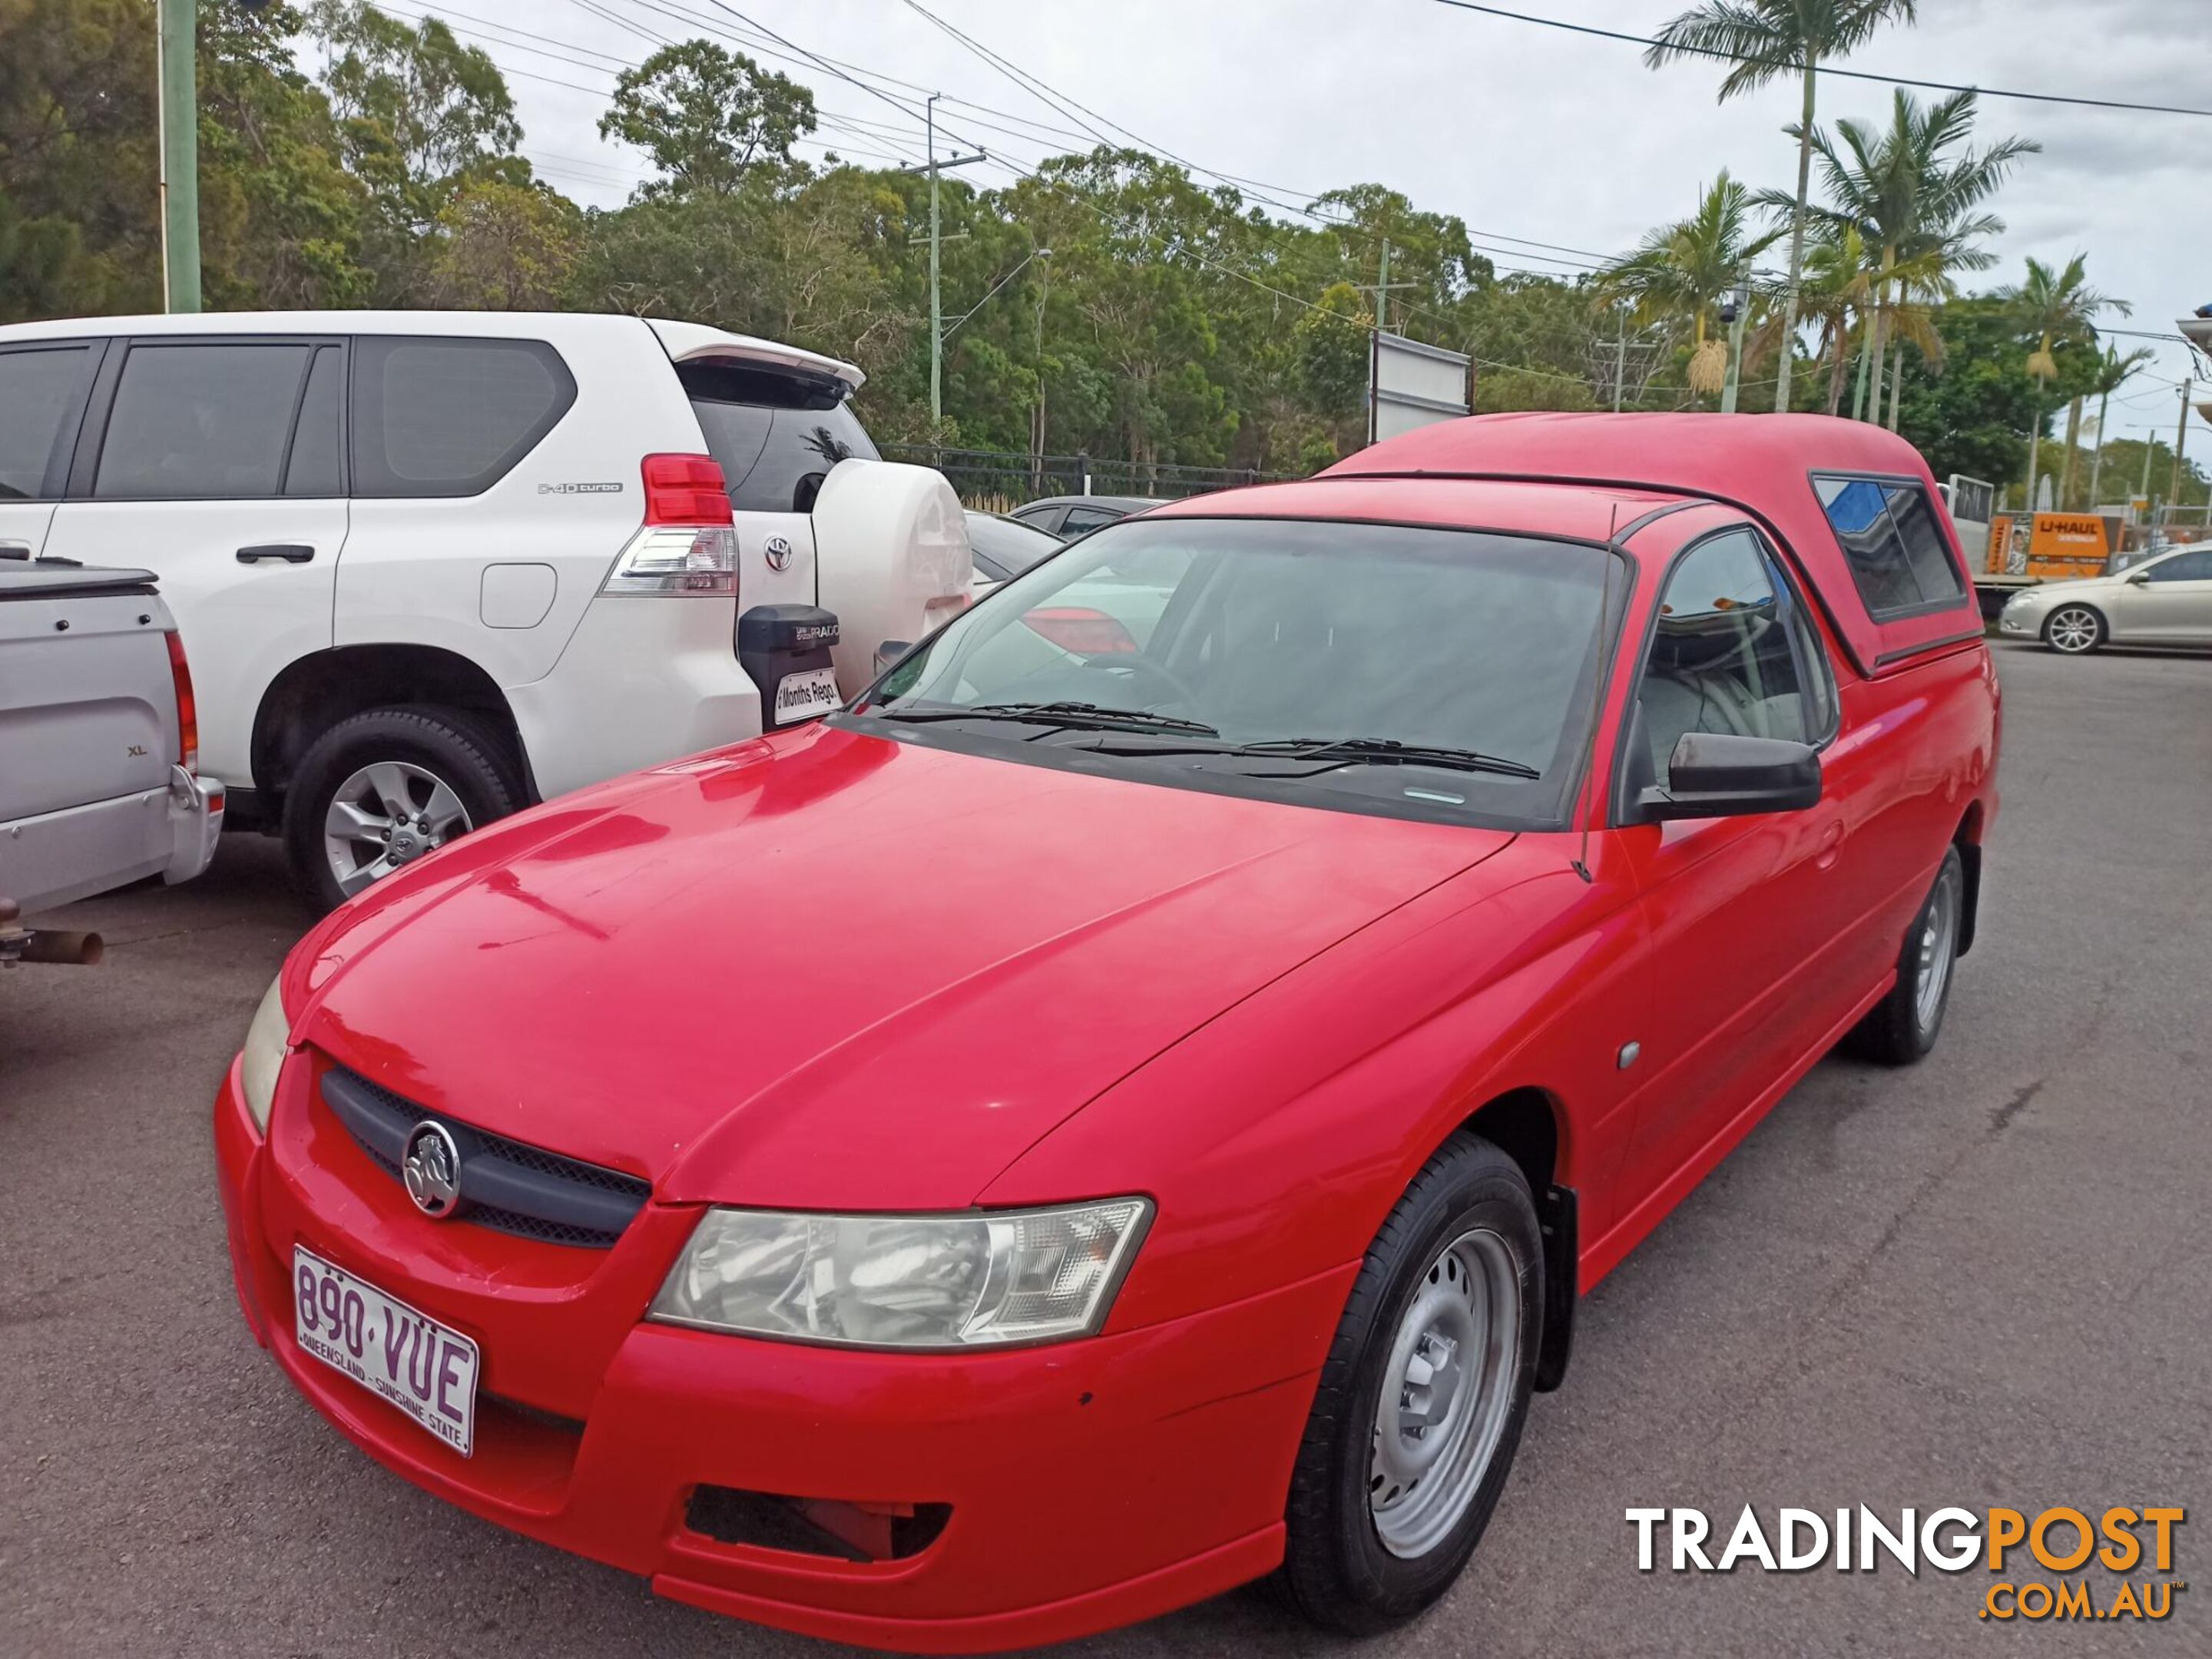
x=1984, y=1280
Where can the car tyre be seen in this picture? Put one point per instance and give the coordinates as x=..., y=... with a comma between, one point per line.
x=2074, y=630
x=1385, y=1508
x=1902, y=1028
x=426, y=775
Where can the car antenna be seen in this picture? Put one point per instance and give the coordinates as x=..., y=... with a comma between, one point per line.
x=1597, y=696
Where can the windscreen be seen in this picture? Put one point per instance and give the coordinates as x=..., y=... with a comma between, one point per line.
x=1375, y=667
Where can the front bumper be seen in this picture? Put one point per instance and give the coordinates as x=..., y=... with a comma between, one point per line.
x=2021, y=622
x=1091, y=1484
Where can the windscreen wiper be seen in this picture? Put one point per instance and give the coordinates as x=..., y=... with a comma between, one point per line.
x=1387, y=751
x=1330, y=752
x=1080, y=716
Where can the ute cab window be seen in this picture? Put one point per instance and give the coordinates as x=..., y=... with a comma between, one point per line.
x=1899, y=559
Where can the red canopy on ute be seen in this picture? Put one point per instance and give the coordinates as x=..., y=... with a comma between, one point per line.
x=1763, y=464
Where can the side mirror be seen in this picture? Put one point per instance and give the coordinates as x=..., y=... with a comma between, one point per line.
x=889, y=652
x=1718, y=774
x=2138, y=578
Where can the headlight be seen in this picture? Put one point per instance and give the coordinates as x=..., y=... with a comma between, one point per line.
x=982, y=1279
x=263, y=1055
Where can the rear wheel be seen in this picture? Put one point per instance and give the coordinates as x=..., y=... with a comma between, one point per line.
x=378, y=791
x=1422, y=1397
x=2073, y=629
x=1903, y=1026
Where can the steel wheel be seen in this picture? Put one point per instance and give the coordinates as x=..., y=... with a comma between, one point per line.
x=1939, y=948
x=2074, y=628
x=1447, y=1393
x=386, y=815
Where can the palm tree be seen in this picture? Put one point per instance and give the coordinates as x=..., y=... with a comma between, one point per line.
x=1768, y=39
x=2113, y=372
x=2060, y=308
x=1835, y=295
x=1913, y=191
x=1681, y=272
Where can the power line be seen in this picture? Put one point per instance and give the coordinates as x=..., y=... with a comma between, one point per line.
x=831, y=120
x=1017, y=171
x=1853, y=75
x=907, y=107
x=1075, y=110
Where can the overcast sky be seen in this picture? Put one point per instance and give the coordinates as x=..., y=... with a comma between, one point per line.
x=1525, y=132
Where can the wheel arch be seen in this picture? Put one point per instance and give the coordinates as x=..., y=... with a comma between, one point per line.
x=314, y=693
x=1528, y=1125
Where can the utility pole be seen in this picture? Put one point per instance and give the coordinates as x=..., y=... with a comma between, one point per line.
x=2180, y=437
x=1381, y=291
x=1036, y=449
x=2150, y=436
x=936, y=308
x=1738, y=307
x=1620, y=361
x=178, y=97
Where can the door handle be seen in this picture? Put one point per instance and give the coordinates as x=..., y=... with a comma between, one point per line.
x=289, y=552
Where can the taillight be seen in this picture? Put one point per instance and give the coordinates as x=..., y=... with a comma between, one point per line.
x=687, y=545
x=1081, y=630
x=188, y=711
x=944, y=608
x=687, y=489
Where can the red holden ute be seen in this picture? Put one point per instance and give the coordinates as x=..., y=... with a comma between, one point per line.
x=1129, y=1106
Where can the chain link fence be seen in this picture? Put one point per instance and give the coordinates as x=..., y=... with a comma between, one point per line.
x=1000, y=480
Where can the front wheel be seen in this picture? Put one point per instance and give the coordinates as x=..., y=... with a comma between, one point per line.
x=2074, y=630
x=1422, y=1397
x=378, y=791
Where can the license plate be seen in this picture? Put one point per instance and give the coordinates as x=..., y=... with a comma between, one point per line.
x=803, y=695
x=427, y=1369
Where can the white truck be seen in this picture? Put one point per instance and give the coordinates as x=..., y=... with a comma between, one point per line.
x=99, y=786
x=433, y=566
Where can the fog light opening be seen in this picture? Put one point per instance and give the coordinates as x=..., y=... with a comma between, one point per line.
x=821, y=1527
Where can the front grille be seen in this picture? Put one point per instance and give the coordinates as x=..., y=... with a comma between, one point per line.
x=506, y=1185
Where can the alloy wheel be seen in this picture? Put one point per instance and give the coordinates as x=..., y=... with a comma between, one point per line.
x=2072, y=630
x=1939, y=940
x=386, y=815
x=1447, y=1393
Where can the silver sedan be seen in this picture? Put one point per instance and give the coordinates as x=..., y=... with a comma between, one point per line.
x=2164, y=600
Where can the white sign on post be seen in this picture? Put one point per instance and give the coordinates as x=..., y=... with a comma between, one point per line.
x=1411, y=385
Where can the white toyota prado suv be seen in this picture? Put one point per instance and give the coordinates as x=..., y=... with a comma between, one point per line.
x=431, y=566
